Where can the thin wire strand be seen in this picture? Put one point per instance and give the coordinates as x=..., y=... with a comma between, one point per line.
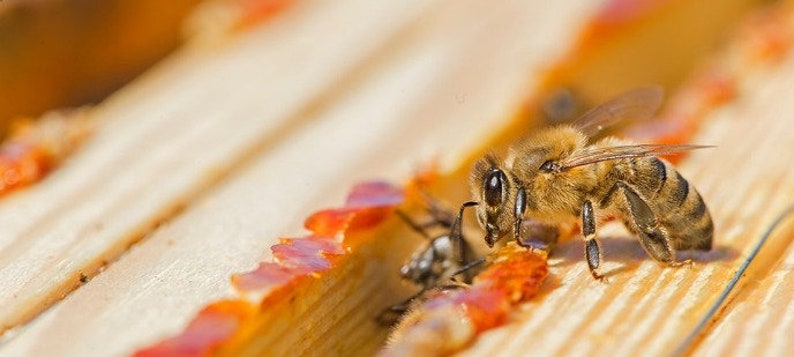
x=708, y=318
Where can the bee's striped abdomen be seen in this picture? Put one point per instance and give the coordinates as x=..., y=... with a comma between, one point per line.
x=679, y=208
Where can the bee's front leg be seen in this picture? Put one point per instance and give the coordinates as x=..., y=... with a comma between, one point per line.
x=459, y=244
x=518, y=214
x=592, y=250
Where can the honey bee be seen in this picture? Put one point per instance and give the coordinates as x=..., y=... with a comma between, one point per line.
x=437, y=265
x=560, y=174
x=444, y=256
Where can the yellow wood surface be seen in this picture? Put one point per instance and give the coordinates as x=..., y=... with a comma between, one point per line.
x=210, y=158
x=646, y=308
x=300, y=109
x=166, y=138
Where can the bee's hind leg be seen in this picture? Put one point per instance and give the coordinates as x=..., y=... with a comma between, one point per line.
x=643, y=221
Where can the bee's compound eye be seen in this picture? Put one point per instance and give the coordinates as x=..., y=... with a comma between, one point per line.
x=494, y=185
x=548, y=166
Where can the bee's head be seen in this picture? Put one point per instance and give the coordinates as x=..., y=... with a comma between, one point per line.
x=492, y=188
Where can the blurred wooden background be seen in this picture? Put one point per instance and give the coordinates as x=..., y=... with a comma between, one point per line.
x=199, y=165
x=58, y=53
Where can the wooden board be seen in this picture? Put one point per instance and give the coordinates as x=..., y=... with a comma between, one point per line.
x=158, y=146
x=231, y=145
x=646, y=308
x=454, y=75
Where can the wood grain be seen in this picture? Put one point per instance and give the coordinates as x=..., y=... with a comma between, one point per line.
x=230, y=146
x=649, y=309
x=444, y=82
x=167, y=137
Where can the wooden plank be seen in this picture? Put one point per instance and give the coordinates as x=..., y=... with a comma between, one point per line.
x=82, y=51
x=168, y=136
x=155, y=289
x=448, y=81
x=671, y=40
x=649, y=309
x=759, y=317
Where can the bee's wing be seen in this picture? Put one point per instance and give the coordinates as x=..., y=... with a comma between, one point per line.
x=623, y=152
x=635, y=105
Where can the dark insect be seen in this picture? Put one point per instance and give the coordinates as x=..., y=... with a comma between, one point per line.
x=444, y=263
